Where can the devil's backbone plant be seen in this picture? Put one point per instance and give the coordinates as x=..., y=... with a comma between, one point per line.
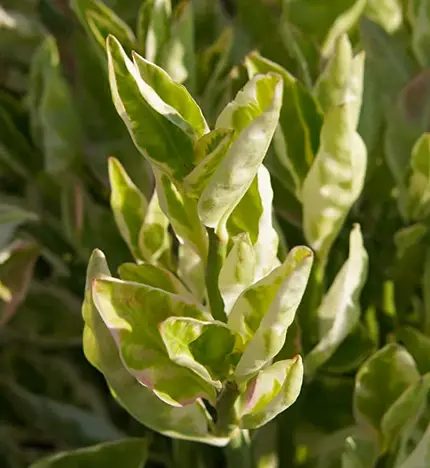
x=187, y=336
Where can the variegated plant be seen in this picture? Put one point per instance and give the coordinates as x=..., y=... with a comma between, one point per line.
x=187, y=336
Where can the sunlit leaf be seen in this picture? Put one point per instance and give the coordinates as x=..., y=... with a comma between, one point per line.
x=270, y=392
x=339, y=311
x=263, y=312
x=253, y=115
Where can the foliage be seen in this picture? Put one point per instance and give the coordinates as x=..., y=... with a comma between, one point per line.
x=256, y=173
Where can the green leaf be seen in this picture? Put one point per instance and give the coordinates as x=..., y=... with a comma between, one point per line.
x=11, y=217
x=128, y=204
x=210, y=150
x=154, y=238
x=408, y=237
x=335, y=179
x=386, y=13
x=342, y=24
x=129, y=453
x=158, y=28
x=418, y=345
x=189, y=422
x=405, y=411
x=57, y=120
x=380, y=381
x=153, y=125
x=263, y=312
x=407, y=120
x=76, y=426
x=419, y=181
x=254, y=215
x=182, y=214
x=179, y=58
x=359, y=452
x=173, y=94
x=389, y=56
x=253, y=115
x=426, y=293
x=153, y=276
x=203, y=347
x=99, y=21
x=238, y=270
x=342, y=80
x=419, y=18
x=300, y=121
x=270, y=392
x=339, y=312
x=127, y=310
x=16, y=274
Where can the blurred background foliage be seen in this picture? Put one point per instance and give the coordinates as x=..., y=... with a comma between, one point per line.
x=59, y=126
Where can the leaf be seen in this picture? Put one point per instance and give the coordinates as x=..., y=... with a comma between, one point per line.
x=419, y=18
x=128, y=204
x=179, y=57
x=359, y=452
x=59, y=128
x=74, y=425
x=210, y=150
x=263, y=312
x=154, y=238
x=418, y=345
x=408, y=119
x=16, y=273
x=182, y=214
x=334, y=181
x=129, y=453
x=191, y=270
x=11, y=217
x=386, y=13
x=253, y=115
x=339, y=312
x=203, y=347
x=238, y=271
x=99, y=22
x=127, y=310
x=299, y=122
x=153, y=125
x=342, y=80
x=254, y=215
x=153, y=276
x=388, y=54
x=173, y=94
x=419, y=181
x=408, y=237
x=342, y=24
x=405, y=411
x=189, y=422
x=158, y=28
x=420, y=456
x=270, y=392
x=380, y=381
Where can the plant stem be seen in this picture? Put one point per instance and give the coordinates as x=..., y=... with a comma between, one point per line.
x=216, y=256
x=239, y=451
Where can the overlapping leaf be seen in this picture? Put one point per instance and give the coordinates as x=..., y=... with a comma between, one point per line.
x=263, y=312
x=254, y=116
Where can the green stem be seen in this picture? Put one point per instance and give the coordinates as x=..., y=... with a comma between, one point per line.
x=216, y=256
x=239, y=451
